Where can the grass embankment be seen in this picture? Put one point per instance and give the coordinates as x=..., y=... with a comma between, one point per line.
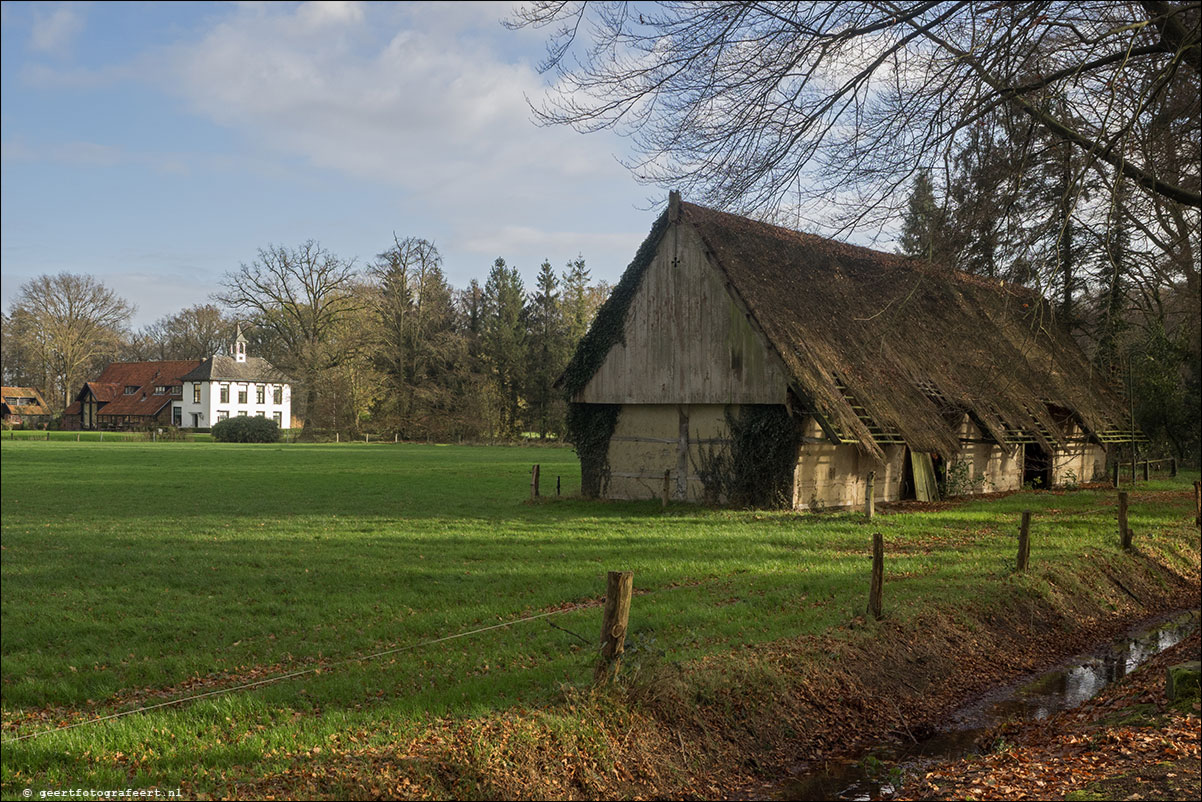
x=134, y=573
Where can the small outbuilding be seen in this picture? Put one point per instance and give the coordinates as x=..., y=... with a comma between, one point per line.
x=24, y=406
x=740, y=362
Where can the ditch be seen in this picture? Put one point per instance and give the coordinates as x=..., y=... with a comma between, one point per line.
x=877, y=773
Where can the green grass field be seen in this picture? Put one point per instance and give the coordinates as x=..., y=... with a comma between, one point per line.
x=138, y=572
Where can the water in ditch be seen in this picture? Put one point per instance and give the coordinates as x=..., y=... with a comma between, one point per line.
x=875, y=775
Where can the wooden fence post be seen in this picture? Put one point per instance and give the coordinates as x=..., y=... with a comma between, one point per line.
x=337, y=437
x=557, y=478
x=534, y=482
x=878, y=576
x=1124, y=531
x=664, y=493
x=870, y=496
x=1173, y=467
x=1133, y=467
x=1146, y=474
x=1115, y=481
x=614, y=620
x=1024, y=541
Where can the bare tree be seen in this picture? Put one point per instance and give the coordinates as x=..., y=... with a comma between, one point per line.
x=193, y=333
x=752, y=104
x=299, y=296
x=66, y=326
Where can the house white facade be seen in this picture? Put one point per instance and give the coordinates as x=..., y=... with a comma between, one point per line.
x=225, y=386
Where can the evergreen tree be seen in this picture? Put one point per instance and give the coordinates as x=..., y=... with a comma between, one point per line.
x=548, y=350
x=577, y=309
x=416, y=337
x=504, y=341
x=924, y=234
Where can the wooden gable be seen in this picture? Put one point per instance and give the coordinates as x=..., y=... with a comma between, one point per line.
x=688, y=340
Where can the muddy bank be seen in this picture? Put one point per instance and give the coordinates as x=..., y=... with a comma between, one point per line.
x=1129, y=742
x=736, y=725
x=892, y=767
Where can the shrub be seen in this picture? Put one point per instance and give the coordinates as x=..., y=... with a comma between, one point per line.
x=246, y=429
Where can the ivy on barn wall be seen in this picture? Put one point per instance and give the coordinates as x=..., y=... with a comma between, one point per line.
x=591, y=426
x=754, y=468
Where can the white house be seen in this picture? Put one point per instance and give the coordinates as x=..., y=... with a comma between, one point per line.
x=226, y=386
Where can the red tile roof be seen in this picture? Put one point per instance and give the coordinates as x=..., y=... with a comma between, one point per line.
x=110, y=387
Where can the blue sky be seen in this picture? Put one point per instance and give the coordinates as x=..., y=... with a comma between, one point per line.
x=157, y=146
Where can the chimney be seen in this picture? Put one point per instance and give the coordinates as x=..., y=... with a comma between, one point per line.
x=673, y=206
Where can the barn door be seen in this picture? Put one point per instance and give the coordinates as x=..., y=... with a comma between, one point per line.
x=925, y=487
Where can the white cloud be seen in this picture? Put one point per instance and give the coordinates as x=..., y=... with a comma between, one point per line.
x=55, y=32
x=329, y=12
x=555, y=244
x=430, y=109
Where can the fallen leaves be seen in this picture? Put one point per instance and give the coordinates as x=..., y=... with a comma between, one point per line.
x=1122, y=737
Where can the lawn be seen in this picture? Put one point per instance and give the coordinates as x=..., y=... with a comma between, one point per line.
x=138, y=572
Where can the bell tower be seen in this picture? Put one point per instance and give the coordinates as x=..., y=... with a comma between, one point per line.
x=239, y=346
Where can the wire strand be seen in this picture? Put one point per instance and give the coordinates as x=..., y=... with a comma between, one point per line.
x=290, y=675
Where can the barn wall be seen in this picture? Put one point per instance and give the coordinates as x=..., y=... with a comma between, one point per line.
x=1078, y=460
x=652, y=438
x=686, y=340
x=990, y=468
x=830, y=475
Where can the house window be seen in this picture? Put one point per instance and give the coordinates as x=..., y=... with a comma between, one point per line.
x=222, y=414
x=277, y=395
x=177, y=416
x=242, y=396
x=242, y=413
x=260, y=392
x=225, y=393
x=195, y=393
x=130, y=389
x=177, y=389
x=278, y=418
x=160, y=389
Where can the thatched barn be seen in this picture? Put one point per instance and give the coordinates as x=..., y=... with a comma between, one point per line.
x=740, y=362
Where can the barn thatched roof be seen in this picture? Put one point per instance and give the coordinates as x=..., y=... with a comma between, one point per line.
x=887, y=349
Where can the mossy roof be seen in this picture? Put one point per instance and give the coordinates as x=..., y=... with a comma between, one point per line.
x=876, y=342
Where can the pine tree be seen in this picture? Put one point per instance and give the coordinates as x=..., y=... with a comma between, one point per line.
x=504, y=340
x=924, y=232
x=577, y=310
x=547, y=349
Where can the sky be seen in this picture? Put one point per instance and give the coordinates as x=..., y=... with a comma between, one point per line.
x=158, y=146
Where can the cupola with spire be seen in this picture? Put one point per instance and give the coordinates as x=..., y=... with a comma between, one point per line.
x=239, y=345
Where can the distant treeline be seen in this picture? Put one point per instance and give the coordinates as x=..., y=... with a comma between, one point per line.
x=390, y=349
